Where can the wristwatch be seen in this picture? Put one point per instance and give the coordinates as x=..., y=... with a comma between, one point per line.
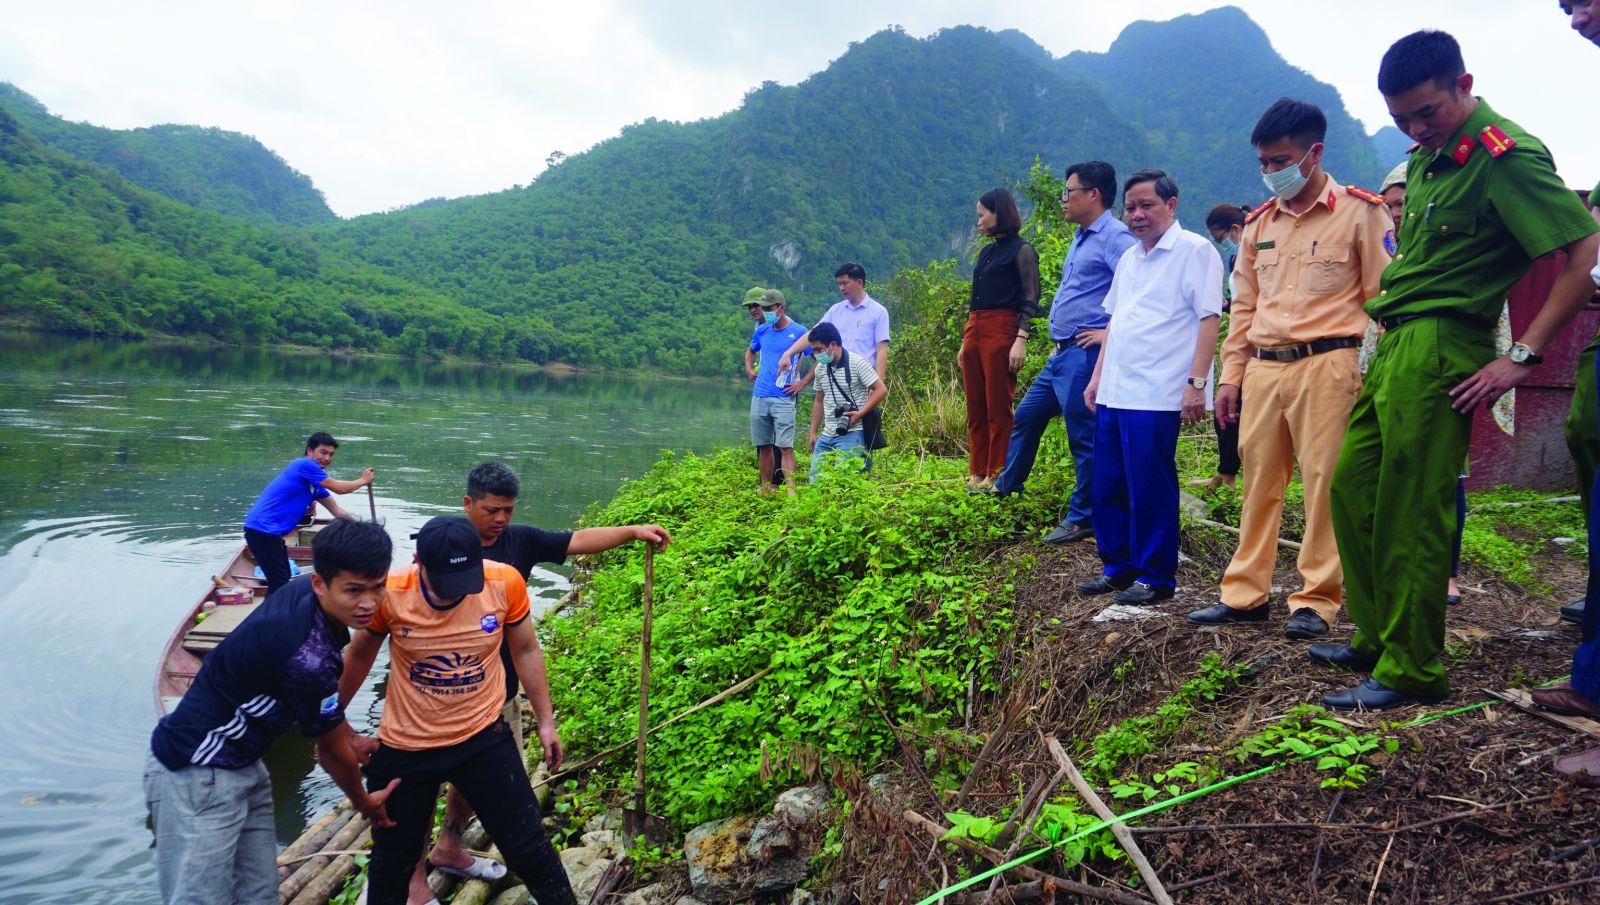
x=1522, y=355
x=1198, y=383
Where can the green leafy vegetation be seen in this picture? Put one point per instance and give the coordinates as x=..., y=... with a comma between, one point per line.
x=872, y=599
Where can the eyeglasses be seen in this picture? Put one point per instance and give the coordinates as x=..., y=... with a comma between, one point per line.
x=1067, y=195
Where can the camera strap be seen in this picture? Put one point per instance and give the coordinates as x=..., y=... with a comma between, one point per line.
x=844, y=362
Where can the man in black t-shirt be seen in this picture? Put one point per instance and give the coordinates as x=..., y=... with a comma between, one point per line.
x=209, y=796
x=492, y=490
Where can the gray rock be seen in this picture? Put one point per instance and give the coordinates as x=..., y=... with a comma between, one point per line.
x=577, y=858
x=803, y=805
x=517, y=895
x=801, y=897
x=688, y=900
x=588, y=880
x=654, y=894
x=604, y=840
x=610, y=819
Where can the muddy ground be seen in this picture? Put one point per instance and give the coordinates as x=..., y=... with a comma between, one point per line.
x=1466, y=810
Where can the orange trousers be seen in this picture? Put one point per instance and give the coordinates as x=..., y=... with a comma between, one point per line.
x=1291, y=411
x=990, y=387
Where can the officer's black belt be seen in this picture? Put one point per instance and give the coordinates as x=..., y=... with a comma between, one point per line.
x=1071, y=342
x=1389, y=323
x=1306, y=350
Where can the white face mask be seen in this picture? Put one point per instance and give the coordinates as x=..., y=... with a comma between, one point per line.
x=1287, y=182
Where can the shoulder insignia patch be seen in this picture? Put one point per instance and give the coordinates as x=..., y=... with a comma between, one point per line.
x=1463, y=150
x=1359, y=192
x=1390, y=245
x=1256, y=214
x=1496, y=141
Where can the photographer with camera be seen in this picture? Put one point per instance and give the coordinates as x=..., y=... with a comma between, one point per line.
x=850, y=389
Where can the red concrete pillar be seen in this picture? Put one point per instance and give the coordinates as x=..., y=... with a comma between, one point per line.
x=1536, y=457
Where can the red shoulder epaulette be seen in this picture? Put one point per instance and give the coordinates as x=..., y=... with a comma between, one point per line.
x=1496, y=141
x=1265, y=206
x=1363, y=194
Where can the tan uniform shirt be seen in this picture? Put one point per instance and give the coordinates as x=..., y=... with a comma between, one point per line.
x=1303, y=278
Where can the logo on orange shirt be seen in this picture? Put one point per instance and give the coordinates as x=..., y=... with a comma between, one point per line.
x=489, y=624
x=448, y=671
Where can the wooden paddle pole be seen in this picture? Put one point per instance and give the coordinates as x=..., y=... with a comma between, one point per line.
x=641, y=816
x=372, y=503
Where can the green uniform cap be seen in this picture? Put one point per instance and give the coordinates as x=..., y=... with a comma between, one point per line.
x=752, y=297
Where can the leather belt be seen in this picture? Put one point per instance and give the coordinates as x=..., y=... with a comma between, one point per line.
x=1306, y=350
x=1389, y=323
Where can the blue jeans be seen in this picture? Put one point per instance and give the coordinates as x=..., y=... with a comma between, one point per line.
x=1136, y=495
x=1058, y=390
x=852, y=445
x=1586, y=660
x=215, y=841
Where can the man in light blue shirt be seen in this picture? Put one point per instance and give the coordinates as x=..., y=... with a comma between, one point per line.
x=862, y=322
x=1077, y=329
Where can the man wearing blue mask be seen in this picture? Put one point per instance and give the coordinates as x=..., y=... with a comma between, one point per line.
x=771, y=409
x=1309, y=258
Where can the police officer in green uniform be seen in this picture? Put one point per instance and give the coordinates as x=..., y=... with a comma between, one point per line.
x=1582, y=431
x=1482, y=201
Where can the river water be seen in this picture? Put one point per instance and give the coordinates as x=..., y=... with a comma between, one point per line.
x=125, y=471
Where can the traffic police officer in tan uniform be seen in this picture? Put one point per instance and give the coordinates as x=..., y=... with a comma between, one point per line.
x=1482, y=201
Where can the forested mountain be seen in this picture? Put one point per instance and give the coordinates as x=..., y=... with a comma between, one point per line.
x=1196, y=85
x=642, y=247
x=206, y=168
x=1391, y=145
x=83, y=250
x=637, y=252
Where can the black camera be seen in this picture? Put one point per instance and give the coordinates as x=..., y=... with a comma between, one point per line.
x=839, y=412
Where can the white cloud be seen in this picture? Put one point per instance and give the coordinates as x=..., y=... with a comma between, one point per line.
x=387, y=104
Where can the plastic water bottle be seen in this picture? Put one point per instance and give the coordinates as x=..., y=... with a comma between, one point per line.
x=783, y=377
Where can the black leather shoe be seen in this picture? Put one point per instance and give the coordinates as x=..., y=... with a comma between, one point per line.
x=1573, y=612
x=1341, y=656
x=1141, y=594
x=1374, y=695
x=1102, y=585
x=1222, y=614
x=1068, y=534
x=1305, y=625
x=1452, y=599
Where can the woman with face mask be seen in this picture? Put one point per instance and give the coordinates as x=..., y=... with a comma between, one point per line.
x=994, y=343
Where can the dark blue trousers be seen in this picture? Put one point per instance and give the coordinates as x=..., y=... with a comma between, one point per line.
x=1586, y=661
x=1136, y=495
x=1058, y=390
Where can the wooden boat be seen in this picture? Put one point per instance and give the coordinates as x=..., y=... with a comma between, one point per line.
x=194, y=637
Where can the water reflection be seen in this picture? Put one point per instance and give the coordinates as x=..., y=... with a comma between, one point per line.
x=125, y=470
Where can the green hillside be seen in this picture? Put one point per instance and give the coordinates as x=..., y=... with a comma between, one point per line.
x=641, y=248
x=206, y=168
x=83, y=250
x=633, y=254
x=1196, y=85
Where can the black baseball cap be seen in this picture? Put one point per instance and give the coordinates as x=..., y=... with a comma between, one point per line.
x=451, y=553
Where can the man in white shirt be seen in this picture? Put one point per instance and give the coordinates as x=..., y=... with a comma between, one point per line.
x=1165, y=304
x=864, y=326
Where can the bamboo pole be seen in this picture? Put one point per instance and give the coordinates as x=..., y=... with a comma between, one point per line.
x=290, y=888
x=331, y=878
x=640, y=815
x=708, y=702
x=1118, y=829
x=317, y=834
x=1282, y=542
x=372, y=503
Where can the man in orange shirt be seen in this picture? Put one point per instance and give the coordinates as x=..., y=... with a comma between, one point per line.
x=446, y=617
x=1310, y=258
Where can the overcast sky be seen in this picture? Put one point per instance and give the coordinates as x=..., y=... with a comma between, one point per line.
x=386, y=104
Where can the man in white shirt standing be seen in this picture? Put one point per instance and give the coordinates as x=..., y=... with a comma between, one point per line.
x=1165, y=304
x=864, y=326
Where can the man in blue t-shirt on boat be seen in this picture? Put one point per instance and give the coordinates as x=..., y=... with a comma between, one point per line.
x=285, y=500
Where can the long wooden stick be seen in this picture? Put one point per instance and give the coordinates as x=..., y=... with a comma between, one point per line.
x=712, y=701
x=644, y=686
x=1118, y=829
x=1282, y=542
x=372, y=503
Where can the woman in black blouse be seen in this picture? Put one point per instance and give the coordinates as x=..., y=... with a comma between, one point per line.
x=1005, y=297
